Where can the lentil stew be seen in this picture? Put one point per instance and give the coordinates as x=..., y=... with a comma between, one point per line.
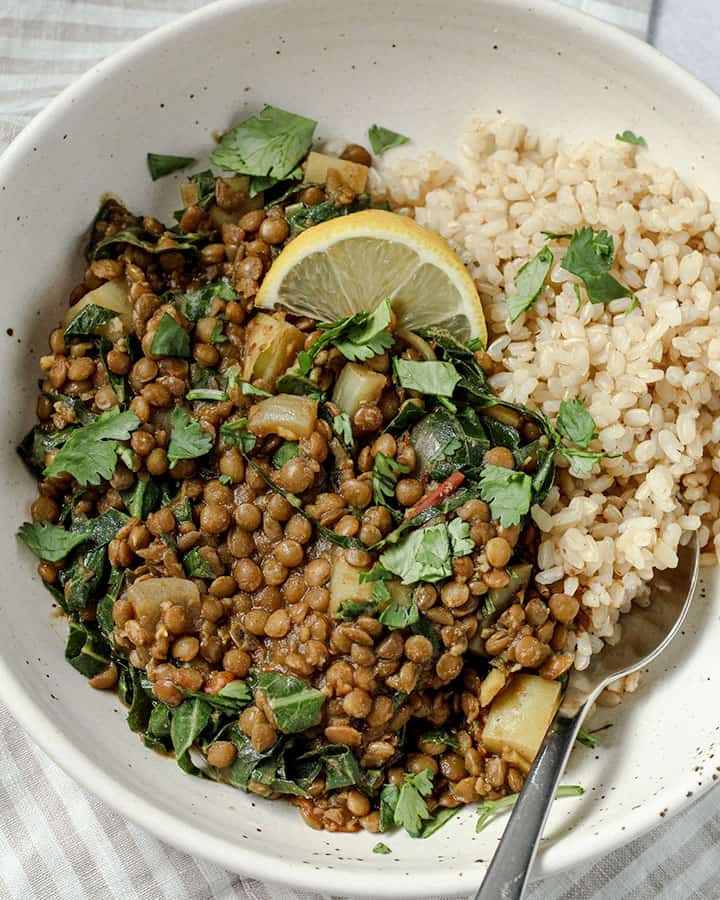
x=300, y=551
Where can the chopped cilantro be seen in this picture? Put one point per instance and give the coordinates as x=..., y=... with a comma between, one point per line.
x=424, y=555
x=90, y=453
x=370, y=338
x=381, y=848
x=508, y=492
x=590, y=257
x=460, y=539
x=342, y=426
x=187, y=439
x=529, y=282
x=170, y=339
x=575, y=423
x=489, y=808
x=396, y=615
x=436, y=378
x=382, y=139
x=50, y=542
x=629, y=137
x=161, y=164
x=235, y=434
x=411, y=809
x=384, y=478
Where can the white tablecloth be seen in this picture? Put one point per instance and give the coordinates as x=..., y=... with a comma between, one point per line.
x=59, y=843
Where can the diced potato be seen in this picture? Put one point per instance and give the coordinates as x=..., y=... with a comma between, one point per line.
x=520, y=715
x=492, y=684
x=354, y=175
x=345, y=586
x=287, y=415
x=146, y=597
x=356, y=385
x=271, y=347
x=111, y=295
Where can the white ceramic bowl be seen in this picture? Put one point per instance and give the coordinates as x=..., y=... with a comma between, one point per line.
x=418, y=66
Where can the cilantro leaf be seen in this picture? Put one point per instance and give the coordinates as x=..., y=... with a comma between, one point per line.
x=196, y=566
x=437, y=378
x=586, y=739
x=170, y=339
x=90, y=453
x=195, y=305
x=235, y=434
x=50, y=542
x=629, y=137
x=460, y=539
x=508, y=492
x=582, y=462
x=187, y=439
x=213, y=394
x=380, y=591
x=529, y=282
x=384, y=478
x=161, y=164
x=424, y=555
x=575, y=423
x=590, y=257
x=398, y=616
x=342, y=426
x=370, y=338
x=353, y=609
x=411, y=809
x=89, y=320
x=270, y=143
x=382, y=139
x=284, y=453
x=381, y=848
x=330, y=332
x=489, y=808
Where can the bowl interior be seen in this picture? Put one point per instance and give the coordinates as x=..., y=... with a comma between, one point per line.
x=419, y=68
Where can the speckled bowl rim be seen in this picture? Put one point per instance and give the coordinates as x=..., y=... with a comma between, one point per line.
x=135, y=806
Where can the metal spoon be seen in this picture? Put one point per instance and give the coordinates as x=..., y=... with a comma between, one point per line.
x=645, y=634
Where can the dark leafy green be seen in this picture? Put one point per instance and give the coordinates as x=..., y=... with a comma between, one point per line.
x=188, y=721
x=295, y=705
x=395, y=615
x=385, y=474
x=86, y=649
x=89, y=320
x=436, y=378
x=300, y=217
x=195, y=305
x=235, y=434
x=196, y=566
x=284, y=453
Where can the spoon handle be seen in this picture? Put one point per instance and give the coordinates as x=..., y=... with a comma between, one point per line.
x=510, y=867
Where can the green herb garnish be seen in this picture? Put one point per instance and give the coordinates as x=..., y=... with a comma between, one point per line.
x=405, y=807
x=187, y=439
x=50, y=542
x=424, y=555
x=195, y=305
x=160, y=164
x=590, y=257
x=489, y=808
x=170, y=339
x=370, y=338
x=269, y=144
x=382, y=139
x=575, y=423
x=529, y=282
x=436, y=378
x=384, y=478
x=90, y=320
x=295, y=705
x=196, y=566
x=90, y=453
x=381, y=848
x=586, y=739
x=342, y=426
x=629, y=137
x=396, y=615
x=508, y=492
x=235, y=434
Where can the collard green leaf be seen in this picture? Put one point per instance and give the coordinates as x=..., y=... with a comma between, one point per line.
x=294, y=383
x=294, y=703
x=382, y=139
x=82, y=579
x=143, y=498
x=90, y=452
x=529, y=282
x=300, y=217
x=170, y=339
x=410, y=412
x=161, y=164
x=89, y=320
x=86, y=649
x=188, y=720
x=508, y=492
x=232, y=699
x=271, y=143
x=187, y=439
x=341, y=766
x=50, y=542
x=104, y=611
x=37, y=443
x=141, y=704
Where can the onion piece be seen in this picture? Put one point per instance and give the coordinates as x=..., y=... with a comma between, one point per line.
x=419, y=344
x=147, y=595
x=286, y=415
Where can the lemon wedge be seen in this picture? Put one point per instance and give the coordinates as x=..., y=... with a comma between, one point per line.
x=352, y=263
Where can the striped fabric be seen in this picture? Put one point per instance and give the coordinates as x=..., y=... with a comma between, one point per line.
x=58, y=842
